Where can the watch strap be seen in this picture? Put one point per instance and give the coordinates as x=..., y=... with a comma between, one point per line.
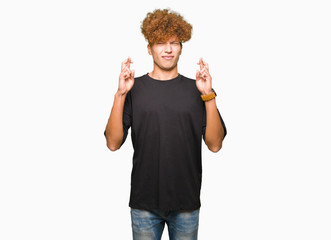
x=209, y=96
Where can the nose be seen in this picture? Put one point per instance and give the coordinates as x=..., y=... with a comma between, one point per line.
x=168, y=48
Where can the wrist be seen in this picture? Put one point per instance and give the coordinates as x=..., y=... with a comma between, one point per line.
x=207, y=92
x=120, y=93
x=120, y=96
x=209, y=95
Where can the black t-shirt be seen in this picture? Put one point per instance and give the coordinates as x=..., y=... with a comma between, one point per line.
x=167, y=120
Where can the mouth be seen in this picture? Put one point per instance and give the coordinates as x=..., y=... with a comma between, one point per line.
x=167, y=57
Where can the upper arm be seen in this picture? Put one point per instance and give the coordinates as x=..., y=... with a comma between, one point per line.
x=127, y=117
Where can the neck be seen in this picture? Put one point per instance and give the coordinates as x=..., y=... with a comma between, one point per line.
x=160, y=74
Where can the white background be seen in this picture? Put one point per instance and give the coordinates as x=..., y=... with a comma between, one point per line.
x=270, y=62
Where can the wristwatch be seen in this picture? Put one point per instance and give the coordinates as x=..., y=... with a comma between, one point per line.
x=209, y=96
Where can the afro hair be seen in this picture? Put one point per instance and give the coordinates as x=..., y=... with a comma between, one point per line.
x=161, y=25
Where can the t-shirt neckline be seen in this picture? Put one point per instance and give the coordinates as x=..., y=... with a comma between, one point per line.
x=169, y=80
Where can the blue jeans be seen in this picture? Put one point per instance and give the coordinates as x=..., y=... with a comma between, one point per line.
x=149, y=225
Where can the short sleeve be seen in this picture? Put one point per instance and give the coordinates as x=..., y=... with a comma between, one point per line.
x=204, y=120
x=127, y=116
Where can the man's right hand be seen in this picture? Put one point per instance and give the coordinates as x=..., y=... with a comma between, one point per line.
x=126, y=79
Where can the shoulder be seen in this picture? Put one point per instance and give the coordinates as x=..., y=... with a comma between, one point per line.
x=190, y=80
x=139, y=82
x=140, y=77
x=190, y=84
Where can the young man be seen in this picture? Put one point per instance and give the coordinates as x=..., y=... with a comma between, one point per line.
x=168, y=114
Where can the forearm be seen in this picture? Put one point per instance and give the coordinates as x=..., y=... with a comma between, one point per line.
x=114, y=128
x=214, y=130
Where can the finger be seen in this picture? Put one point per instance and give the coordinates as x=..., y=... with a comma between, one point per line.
x=123, y=64
x=126, y=73
x=128, y=62
x=204, y=70
x=206, y=65
x=197, y=75
x=200, y=63
x=126, y=68
x=204, y=75
x=132, y=73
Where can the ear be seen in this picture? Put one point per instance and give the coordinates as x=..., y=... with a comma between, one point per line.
x=149, y=49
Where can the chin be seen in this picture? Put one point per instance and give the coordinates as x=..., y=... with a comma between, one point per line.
x=168, y=68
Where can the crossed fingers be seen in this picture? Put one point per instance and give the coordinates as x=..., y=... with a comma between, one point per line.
x=125, y=68
x=204, y=69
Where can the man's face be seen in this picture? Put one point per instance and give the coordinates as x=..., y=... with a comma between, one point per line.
x=166, y=53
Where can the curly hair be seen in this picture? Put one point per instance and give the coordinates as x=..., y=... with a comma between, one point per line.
x=161, y=25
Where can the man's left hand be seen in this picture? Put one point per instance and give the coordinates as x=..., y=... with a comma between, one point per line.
x=203, y=78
